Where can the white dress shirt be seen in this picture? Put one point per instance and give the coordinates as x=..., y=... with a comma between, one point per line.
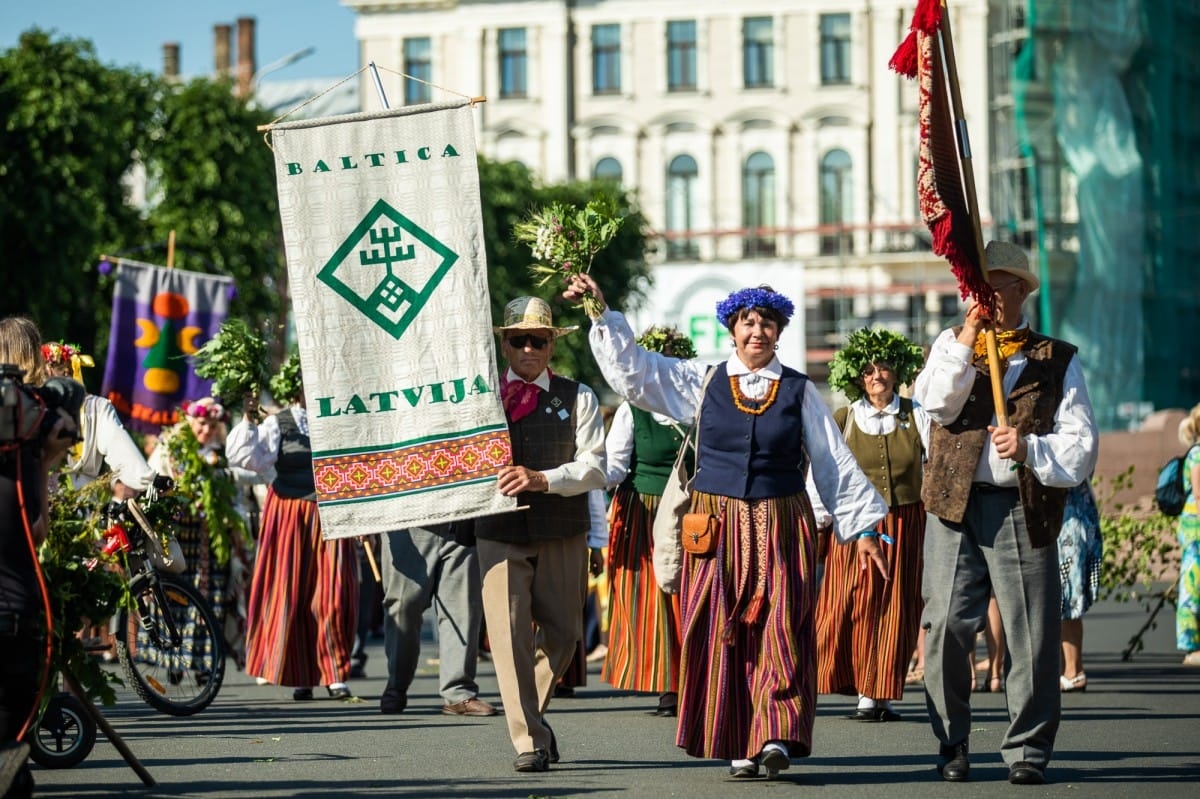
x=671, y=386
x=105, y=441
x=586, y=470
x=618, y=444
x=1063, y=458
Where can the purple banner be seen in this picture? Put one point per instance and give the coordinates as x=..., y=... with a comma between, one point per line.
x=160, y=318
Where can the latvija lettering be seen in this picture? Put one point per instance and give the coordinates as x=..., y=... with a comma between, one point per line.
x=452, y=391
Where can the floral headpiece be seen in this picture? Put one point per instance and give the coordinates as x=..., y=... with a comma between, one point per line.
x=868, y=346
x=204, y=409
x=59, y=353
x=660, y=339
x=760, y=297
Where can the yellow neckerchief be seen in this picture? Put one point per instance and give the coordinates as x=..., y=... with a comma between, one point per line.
x=1008, y=342
x=79, y=361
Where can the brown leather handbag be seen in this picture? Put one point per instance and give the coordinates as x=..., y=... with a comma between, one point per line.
x=700, y=533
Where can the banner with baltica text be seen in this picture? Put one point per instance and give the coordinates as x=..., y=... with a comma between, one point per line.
x=388, y=278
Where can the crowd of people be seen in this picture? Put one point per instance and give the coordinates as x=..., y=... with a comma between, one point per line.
x=852, y=553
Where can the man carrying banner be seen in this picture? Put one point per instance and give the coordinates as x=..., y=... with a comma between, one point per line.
x=995, y=496
x=534, y=562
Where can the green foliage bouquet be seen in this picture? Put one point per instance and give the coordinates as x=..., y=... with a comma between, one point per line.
x=85, y=585
x=564, y=240
x=211, y=488
x=288, y=383
x=237, y=359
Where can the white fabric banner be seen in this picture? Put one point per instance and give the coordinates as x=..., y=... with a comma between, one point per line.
x=388, y=277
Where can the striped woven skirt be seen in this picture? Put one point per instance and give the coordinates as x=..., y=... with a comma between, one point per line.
x=303, y=599
x=866, y=626
x=643, y=626
x=748, y=661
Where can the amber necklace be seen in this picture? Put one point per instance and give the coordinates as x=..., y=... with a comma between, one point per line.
x=740, y=399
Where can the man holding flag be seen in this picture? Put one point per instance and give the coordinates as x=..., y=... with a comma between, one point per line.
x=995, y=488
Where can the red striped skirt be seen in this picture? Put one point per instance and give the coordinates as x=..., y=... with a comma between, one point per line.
x=866, y=626
x=643, y=626
x=748, y=660
x=303, y=599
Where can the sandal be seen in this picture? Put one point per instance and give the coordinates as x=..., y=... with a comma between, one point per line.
x=1075, y=684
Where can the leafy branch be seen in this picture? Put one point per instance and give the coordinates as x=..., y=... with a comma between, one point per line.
x=211, y=488
x=1140, y=555
x=237, y=359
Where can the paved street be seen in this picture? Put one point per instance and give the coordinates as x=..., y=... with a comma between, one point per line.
x=1135, y=733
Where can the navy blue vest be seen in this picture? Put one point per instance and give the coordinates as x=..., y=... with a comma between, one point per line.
x=747, y=456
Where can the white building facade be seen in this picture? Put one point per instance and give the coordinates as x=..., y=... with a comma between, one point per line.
x=765, y=140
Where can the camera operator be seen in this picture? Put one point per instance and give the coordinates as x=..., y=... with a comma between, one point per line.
x=24, y=520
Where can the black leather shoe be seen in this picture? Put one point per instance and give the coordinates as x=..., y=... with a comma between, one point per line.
x=302, y=694
x=1023, y=773
x=341, y=692
x=952, y=762
x=744, y=772
x=537, y=760
x=877, y=713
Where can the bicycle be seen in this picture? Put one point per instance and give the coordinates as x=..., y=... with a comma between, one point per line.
x=168, y=640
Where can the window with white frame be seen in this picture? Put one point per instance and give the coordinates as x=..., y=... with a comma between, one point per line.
x=418, y=63
x=607, y=168
x=681, y=55
x=835, y=49
x=606, y=59
x=514, y=63
x=758, y=52
x=681, y=204
x=758, y=205
x=837, y=203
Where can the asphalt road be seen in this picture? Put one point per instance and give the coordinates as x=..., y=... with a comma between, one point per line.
x=1134, y=733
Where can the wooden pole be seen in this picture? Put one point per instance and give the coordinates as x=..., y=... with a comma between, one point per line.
x=171, y=250
x=370, y=550
x=968, y=172
x=109, y=732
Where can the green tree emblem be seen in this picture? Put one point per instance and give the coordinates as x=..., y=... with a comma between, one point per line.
x=388, y=268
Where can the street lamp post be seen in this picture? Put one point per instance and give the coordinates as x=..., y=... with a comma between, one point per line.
x=287, y=60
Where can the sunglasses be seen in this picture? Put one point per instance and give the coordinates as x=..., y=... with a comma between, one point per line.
x=520, y=342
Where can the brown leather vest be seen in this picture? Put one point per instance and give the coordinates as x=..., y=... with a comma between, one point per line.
x=954, y=450
x=543, y=440
x=892, y=462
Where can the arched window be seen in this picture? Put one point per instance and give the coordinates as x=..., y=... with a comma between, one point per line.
x=607, y=169
x=837, y=202
x=681, y=203
x=758, y=205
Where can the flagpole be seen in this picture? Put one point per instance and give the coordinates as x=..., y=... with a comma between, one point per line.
x=968, y=172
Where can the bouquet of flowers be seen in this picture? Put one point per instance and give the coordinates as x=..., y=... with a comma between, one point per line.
x=237, y=359
x=565, y=239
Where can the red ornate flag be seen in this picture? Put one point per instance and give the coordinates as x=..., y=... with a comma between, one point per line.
x=946, y=195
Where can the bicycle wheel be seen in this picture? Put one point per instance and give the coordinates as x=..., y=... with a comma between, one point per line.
x=171, y=647
x=64, y=735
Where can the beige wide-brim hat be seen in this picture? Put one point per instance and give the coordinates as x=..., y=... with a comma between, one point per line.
x=1003, y=256
x=531, y=313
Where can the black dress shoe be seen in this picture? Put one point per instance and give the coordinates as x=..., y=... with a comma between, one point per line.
x=1023, y=773
x=953, y=764
x=301, y=694
x=537, y=760
x=341, y=692
x=877, y=713
x=744, y=772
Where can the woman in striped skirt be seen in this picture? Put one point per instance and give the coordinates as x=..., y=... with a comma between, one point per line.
x=643, y=632
x=867, y=622
x=747, y=687
x=304, y=593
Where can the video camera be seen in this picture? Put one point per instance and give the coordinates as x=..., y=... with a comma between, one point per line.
x=27, y=412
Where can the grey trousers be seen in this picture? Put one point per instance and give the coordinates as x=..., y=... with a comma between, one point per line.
x=964, y=563
x=424, y=567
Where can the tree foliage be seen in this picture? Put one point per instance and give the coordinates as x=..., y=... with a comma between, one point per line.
x=510, y=193
x=71, y=130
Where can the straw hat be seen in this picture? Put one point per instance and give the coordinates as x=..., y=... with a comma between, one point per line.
x=1003, y=256
x=531, y=313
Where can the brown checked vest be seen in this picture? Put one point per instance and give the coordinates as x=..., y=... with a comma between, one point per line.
x=954, y=450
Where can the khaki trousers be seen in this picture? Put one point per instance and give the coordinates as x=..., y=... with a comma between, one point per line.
x=533, y=597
